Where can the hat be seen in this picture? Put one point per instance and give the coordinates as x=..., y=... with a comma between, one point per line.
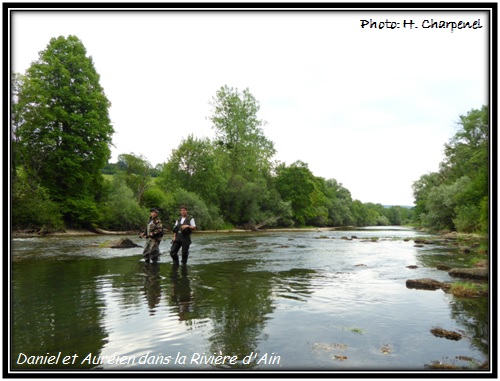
x=154, y=210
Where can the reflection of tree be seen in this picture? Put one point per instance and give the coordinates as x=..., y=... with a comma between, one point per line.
x=56, y=308
x=152, y=287
x=238, y=302
x=181, y=291
x=472, y=315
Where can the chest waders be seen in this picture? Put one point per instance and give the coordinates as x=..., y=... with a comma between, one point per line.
x=182, y=240
x=152, y=249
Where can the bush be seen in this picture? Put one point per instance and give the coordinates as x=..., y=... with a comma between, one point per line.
x=121, y=210
x=32, y=207
x=205, y=217
x=155, y=197
x=467, y=219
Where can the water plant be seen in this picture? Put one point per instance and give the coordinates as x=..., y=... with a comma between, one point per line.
x=468, y=289
x=356, y=330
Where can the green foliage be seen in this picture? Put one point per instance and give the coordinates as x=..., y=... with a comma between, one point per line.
x=193, y=166
x=241, y=146
x=154, y=197
x=137, y=173
x=296, y=184
x=32, y=207
x=468, y=218
x=205, y=217
x=484, y=214
x=61, y=135
x=64, y=130
x=456, y=198
x=121, y=211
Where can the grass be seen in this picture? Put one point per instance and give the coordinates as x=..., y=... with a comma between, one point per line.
x=468, y=289
x=107, y=177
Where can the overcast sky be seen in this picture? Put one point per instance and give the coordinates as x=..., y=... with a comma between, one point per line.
x=369, y=107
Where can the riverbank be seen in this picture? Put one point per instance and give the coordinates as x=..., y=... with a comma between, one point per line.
x=97, y=232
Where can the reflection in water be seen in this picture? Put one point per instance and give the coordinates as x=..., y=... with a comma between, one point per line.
x=240, y=295
x=238, y=302
x=180, y=296
x=152, y=286
x=472, y=315
x=55, y=304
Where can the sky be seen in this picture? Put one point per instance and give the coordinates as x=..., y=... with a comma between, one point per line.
x=370, y=107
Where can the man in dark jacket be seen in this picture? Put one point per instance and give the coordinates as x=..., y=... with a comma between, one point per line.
x=154, y=233
x=183, y=228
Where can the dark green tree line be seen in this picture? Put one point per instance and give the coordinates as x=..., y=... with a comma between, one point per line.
x=456, y=197
x=62, y=177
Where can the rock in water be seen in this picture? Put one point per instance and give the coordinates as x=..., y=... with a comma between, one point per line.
x=424, y=284
x=123, y=243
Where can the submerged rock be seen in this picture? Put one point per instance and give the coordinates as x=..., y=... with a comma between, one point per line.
x=424, y=284
x=451, y=335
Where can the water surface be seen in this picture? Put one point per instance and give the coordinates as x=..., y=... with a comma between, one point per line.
x=266, y=301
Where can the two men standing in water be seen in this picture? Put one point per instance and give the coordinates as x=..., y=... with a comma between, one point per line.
x=182, y=230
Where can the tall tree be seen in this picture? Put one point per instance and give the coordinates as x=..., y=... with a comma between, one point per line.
x=243, y=154
x=242, y=146
x=192, y=166
x=65, y=132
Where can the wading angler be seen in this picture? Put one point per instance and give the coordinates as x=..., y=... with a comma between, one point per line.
x=154, y=234
x=183, y=228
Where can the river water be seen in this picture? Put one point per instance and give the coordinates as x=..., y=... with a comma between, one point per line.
x=309, y=300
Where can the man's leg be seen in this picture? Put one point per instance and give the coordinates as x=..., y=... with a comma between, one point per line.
x=174, y=250
x=185, y=250
x=155, y=251
x=147, y=250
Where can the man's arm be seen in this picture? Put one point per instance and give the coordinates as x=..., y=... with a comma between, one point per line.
x=191, y=225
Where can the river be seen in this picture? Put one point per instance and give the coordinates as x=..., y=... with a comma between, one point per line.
x=298, y=301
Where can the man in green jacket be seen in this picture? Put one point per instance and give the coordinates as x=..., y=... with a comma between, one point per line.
x=154, y=233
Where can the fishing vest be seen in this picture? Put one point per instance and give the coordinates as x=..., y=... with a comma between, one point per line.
x=186, y=222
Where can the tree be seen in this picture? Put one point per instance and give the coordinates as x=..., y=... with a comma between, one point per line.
x=456, y=197
x=242, y=147
x=421, y=189
x=192, y=166
x=15, y=120
x=243, y=154
x=65, y=131
x=137, y=172
x=121, y=209
x=442, y=203
x=296, y=184
x=32, y=207
x=467, y=150
x=339, y=204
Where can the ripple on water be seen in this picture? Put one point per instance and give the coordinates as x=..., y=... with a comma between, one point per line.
x=279, y=293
